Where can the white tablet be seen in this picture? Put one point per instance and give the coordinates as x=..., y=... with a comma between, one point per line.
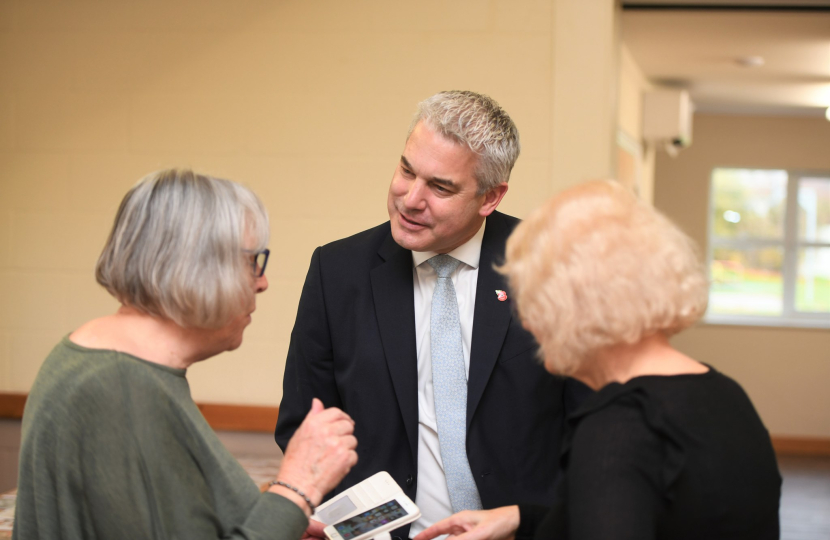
x=369, y=496
x=382, y=518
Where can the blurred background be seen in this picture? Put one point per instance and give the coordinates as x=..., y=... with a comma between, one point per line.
x=308, y=103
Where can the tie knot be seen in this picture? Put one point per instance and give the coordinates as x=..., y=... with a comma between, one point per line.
x=444, y=265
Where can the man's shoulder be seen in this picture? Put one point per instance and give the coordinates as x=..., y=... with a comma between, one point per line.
x=369, y=238
x=497, y=230
x=357, y=250
x=503, y=221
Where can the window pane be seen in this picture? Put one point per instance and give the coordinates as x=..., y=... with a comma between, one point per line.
x=746, y=281
x=814, y=209
x=812, y=289
x=749, y=203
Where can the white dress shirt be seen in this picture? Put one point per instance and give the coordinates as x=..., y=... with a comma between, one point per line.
x=432, y=496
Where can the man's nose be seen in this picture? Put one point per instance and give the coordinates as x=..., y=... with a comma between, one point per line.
x=415, y=195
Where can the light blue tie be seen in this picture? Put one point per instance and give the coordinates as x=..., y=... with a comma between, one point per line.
x=449, y=381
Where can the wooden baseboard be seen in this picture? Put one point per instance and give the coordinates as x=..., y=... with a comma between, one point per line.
x=220, y=417
x=801, y=446
x=240, y=417
x=11, y=405
x=225, y=417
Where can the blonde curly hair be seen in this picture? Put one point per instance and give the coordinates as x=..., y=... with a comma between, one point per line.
x=596, y=267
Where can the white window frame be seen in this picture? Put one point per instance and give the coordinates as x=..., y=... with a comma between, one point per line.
x=790, y=317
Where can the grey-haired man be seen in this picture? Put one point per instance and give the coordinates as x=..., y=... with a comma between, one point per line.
x=369, y=340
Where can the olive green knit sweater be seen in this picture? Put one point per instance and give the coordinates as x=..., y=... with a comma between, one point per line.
x=114, y=448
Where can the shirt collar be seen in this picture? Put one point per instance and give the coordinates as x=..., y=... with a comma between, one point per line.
x=469, y=252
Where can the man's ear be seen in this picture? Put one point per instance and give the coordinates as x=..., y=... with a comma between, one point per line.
x=492, y=199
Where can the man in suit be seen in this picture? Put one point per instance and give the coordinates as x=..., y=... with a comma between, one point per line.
x=380, y=335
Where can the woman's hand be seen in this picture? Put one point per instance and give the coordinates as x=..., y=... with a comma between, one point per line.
x=497, y=524
x=320, y=454
x=314, y=531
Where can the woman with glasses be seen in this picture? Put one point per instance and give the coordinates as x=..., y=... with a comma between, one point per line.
x=113, y=445
x=667, y=448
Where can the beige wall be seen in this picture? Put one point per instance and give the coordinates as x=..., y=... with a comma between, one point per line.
x=632, y=85
x=305, y=101
x=785, y=371
x=586, y=57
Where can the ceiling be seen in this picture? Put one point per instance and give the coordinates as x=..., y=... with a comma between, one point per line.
x=696, y=45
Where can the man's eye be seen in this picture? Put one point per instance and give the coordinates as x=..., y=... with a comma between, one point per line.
x=406, y=172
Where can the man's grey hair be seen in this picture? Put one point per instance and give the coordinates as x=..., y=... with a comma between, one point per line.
x=478, y=122
x=177, y=248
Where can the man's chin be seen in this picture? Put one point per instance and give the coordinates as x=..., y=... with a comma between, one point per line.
x=410, y=240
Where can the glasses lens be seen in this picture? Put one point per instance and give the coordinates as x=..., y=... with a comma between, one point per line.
x=260, y=259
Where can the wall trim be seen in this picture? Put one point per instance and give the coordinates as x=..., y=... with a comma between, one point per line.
x=11, y=405
x=801, y=446
x=227, y=417
x=711, y=6
x=221, y=417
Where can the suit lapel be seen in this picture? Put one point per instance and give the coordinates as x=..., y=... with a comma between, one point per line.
x=395, y=307
x=491, y=317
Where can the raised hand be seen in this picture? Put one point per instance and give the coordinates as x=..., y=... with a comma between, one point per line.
x=321, y=452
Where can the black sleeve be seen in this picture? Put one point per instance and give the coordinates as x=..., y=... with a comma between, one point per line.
x=530, y=516
x=614, y=483
x=308, y=368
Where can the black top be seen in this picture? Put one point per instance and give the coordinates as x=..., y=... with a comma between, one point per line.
x=663, y=457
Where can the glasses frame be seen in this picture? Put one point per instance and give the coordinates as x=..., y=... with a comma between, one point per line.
x=254, y=256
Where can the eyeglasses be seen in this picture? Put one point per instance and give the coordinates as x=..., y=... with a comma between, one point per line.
x=259, y=260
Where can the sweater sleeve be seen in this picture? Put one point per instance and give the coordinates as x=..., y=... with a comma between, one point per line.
x=273, y=517
x=147, y=471
x=613, y=487
x=130, y=504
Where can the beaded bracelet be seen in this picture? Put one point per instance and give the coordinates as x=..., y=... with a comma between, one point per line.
x=295, y=490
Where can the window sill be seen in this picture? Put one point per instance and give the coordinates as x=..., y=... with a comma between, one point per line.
x=800, y=323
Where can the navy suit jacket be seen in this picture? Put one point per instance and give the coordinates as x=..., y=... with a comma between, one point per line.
x=353, y=346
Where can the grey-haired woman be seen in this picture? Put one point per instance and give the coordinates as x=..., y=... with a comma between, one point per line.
x=113, y=445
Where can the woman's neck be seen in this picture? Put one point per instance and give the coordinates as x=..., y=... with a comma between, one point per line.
x=652, y=355
x=150, y=338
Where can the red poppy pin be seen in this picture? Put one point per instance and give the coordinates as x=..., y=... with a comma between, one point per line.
x=502, y=296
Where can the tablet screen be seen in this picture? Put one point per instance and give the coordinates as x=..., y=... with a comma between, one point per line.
x=370, y=520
